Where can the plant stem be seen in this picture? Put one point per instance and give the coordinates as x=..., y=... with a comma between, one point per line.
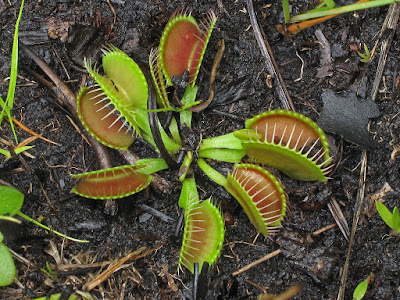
x=22, y=215
x=211, y=172
x=341, y=10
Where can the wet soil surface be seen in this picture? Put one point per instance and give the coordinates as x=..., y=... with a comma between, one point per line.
x=312, y=261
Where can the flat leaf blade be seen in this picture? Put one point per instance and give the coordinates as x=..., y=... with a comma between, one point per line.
x=11, y=200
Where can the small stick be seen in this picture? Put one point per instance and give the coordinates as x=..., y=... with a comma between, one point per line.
x=257, y=262
x=272, y=66
x=23, y=127
x=323, y=229
x=112, y=268
x=157, y=213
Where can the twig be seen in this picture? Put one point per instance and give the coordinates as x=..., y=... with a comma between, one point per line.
x=23, y=127
x=113, y=268
x=339, y=217
x=157, y=213
x=390, y=24
x=272, y=66
x=356, y=216
x=257, y=262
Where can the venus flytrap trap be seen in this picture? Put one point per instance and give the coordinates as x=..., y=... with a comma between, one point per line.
x=114, y=110
x=204, y=229
x=289, y=142
x=182, y=47
x=259, y=193
x=118, y=182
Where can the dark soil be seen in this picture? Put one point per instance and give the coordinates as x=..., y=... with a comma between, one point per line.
x=313, y=261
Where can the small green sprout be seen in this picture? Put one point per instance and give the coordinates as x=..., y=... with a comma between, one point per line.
x=391, y=219
x=361, y=289
x=365, y=56
x=49, y=272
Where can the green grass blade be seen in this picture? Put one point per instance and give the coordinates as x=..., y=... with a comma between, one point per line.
x=286, y=12
x=13, y=75
x=341, y=10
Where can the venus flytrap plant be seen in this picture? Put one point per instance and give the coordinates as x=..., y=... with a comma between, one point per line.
x=259, y=193
x=289, y=142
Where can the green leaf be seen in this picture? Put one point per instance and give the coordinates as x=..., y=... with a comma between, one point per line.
x=6, y=153
x=22, y=149
x=7, y=266
x=227, y=155
x=396, y=219
x=11, y=200
x=360, y=290
x=57, y=297
x=1, y=237
x=385, y=214
x=188, y=194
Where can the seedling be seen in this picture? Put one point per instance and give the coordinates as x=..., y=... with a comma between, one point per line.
x=391, y=219
x=204, y=229
x=289, y=142
x=259, y=193
x=362, y=287
x=365, y=56
x=11, y=201
x=118, y=182
x=49, y=272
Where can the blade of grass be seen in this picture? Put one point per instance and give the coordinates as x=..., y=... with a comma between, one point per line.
x=13, y=76
x=286, y=11
x=297, y=27
x=341, y=10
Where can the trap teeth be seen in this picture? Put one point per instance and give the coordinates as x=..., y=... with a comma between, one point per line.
x=289, y=142
x=102, y=121
x=260, y=194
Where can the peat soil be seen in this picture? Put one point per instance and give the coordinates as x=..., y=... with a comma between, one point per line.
x=313, y=261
